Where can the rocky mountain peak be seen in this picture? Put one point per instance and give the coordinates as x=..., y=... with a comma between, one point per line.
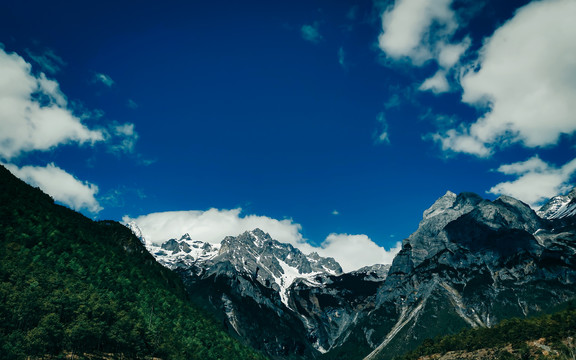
x=559, y=207
x=136, y=231
x=440, y=205
x=273, y=264
x=428, y=239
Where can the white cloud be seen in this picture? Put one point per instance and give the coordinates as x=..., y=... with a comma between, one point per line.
x=212, y=225
x=418, y=30
x=59, y=184
x=127, y=137
x=335, y=212
x=356, y=251
x=104, y=79
x=461, y=141
x=351, y=251
x=33, y=112
x=437, y=83
x=526, y=81
x=311, y=33
x=450, y=54
x=536, y=180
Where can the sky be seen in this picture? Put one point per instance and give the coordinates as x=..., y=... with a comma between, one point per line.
x=332, y=125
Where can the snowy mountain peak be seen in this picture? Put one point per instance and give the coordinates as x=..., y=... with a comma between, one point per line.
x=273, y=264
x=136, y=231
x=253, y=254
x=560, y=206
x=183, y=253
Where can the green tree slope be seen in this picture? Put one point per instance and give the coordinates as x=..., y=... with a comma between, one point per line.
x=72, y=285
x=557, y=329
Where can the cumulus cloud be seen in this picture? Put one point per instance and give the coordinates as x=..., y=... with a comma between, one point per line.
x=437, y=83
x=351, y=251
x=212, y=225
x=421, y=30
x=59, y=184
x=356, y=251
x=525, y=79
x=34, y=113
x=536, y=180
x=104, y=79
x=311, y=33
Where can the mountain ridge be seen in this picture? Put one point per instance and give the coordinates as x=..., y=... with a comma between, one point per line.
x=71, y=286
x=472, y=261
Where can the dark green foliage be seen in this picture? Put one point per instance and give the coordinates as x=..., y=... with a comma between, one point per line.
x=72, y=285
x=516, y=332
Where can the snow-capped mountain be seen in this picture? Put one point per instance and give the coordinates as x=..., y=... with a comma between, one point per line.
x=184, y=252
x=269, y=293
x=471, y=263
x=559, y=207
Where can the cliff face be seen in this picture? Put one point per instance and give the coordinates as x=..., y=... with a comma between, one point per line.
x=471, y=263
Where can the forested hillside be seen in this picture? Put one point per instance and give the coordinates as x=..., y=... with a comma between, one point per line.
x=550, y=336
x=69, y=285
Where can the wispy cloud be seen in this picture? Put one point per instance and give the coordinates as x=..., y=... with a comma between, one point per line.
x=381, y=135
x=132, y=104
x=103, y=79
x=352, y=13
x=48, y=61
x=124, y=138
x=342, y=57
x=311, y=33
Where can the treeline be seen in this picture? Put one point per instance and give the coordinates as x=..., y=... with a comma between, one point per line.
x=554, y=328
x=69, y=285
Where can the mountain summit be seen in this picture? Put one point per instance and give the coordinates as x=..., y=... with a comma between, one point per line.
x=560, y=206
x=472, y=262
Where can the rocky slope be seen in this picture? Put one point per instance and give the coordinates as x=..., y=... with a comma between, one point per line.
x=559, y=207
x=270, y=294
x=471, y=263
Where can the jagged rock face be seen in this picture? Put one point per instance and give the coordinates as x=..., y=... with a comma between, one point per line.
x=428, y=239
x=559, y=207
x=274, y=297
x=472, y=262
x=273, y=264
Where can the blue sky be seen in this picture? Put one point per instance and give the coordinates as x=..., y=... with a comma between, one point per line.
x=332, y=125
